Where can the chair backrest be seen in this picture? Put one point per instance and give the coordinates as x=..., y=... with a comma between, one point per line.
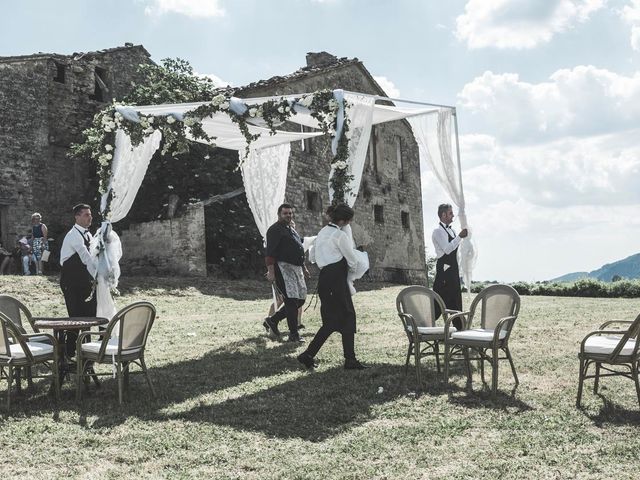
x=419, y=302
x=133, y=324
x=495, y=303
x=4, y=336
x=632, y=333
x=14, y=310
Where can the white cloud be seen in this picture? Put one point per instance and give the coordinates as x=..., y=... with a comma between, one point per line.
x=388, y=86
x=581, y=101
x=217, y=81
x=631, y=14
x=599, y=170
x=520, y=24
x=190, y=8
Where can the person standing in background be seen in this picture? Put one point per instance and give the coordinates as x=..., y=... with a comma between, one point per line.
x=39, y=240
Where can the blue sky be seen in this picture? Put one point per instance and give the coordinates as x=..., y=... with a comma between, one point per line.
x=548, y=96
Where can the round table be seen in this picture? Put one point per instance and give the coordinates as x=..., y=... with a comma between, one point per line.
x=59, y=325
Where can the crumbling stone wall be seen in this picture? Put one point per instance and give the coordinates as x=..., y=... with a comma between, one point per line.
x=167, y=247
x=47, y=100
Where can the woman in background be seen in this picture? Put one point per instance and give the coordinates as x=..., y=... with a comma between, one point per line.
x=39, y=240
x=334, y=254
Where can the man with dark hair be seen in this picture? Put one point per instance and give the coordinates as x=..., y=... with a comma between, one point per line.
x=447, y=281
x=285, y=266
x=78, y=271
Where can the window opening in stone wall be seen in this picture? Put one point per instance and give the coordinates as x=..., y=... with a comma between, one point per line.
x=378, y=213
x=101, y=91
x=372, y=153
x=314, y=202
x=307, y=144
x=406, y=224
x=60, y=73
x=399, y=158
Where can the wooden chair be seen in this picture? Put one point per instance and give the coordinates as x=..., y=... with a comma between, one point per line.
x=497, y=307
x=17, y=350
x=122, y=344
x=20, y=315
x=416, y=309
x=610, y=349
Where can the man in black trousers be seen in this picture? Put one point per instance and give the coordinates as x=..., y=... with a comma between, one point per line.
x=447, y=281
x=78, y=271
x=285, y=266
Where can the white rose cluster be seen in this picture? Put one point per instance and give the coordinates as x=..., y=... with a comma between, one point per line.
x=108, y=123
x=219, y=101
x=306, y=101
x=170, y=119
x=340, y=165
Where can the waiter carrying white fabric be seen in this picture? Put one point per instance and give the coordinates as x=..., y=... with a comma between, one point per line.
x=447, y=281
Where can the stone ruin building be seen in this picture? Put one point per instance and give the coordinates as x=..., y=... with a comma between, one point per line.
x=52, y=98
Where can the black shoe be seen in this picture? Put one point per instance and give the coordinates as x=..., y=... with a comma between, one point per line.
x=295, y=338
x=301, y=327
x=353, y=364
x=272, y=326
x=307, y=360
x=266, y=325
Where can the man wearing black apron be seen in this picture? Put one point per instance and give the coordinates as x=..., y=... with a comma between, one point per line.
x=78, y=271
x=447, y=281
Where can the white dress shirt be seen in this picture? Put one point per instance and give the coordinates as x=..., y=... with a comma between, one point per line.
x=330, y=246
x=441, y=241
x=74, y=243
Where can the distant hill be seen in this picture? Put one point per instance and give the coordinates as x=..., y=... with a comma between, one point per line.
x=628, y=268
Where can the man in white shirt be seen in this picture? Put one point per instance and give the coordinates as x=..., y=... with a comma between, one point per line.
x=78, y=271
x=447, y=281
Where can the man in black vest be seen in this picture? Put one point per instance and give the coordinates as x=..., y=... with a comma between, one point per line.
x=447, y=281
x=78, y=271
x=285, y=266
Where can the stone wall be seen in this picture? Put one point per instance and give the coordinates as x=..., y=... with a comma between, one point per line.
x=166, y=247
x=390, y=184
x=47, y=100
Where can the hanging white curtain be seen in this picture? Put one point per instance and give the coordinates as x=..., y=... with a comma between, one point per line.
x=433, y=135
x=128, y=168
x=264, y=173
x=360, y=115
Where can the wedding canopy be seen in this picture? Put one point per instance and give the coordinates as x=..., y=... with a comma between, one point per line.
x=248, y=126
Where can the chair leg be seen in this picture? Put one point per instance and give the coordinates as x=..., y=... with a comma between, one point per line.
x=447, y=355
x=494, y=373
x=29, y=374
x=597, y=379
x=18, y=374
x=125, y=372
x=635, y=379
x=436, y=347
x=9, y=382
x=583, y=370
x=406, y=364
x=79, y=376
x=467, y=364
x=416, y=346
x=120, y=381
x=513, y=367
x=146, y=375
x=481, y=361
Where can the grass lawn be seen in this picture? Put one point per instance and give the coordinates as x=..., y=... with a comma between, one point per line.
x=233, y=404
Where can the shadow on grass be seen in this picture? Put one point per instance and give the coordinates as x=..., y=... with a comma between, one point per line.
x=613, y=413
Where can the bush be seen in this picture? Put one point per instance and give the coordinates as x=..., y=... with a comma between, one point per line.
x=581, y=288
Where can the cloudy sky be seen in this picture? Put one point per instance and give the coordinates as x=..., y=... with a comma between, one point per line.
x=547, y=92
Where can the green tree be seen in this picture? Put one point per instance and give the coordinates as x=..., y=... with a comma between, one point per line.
x=173, y=181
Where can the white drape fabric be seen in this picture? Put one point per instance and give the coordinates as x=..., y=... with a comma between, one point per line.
x=433, y=135
x=264, y=173
x=128, y=169
x=360, y=114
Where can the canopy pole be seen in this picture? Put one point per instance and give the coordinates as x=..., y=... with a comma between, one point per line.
x=455, y=126
x=400, y=100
